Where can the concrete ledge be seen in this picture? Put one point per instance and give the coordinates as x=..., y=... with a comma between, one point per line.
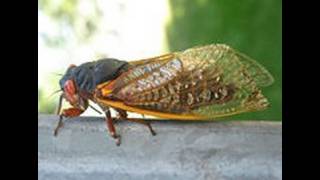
x=181, y=150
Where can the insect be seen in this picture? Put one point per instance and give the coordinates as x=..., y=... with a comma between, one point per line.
x=200, y=83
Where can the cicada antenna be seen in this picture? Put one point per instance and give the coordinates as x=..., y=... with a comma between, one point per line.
x=55, y=92
x=57, y=74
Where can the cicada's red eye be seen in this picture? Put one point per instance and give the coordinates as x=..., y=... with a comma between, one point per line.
x=69, y=87
x=70, y=91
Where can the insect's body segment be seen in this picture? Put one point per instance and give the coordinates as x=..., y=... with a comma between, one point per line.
x=199, y=83
x=89, y=75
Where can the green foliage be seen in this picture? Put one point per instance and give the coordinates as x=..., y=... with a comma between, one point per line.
x=250, y=26
x=64, y=10
x=45, y=105
x=48, y=95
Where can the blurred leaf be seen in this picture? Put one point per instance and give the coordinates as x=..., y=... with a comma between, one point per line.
x=61, y=10
x=68, y=13
x=45, y=104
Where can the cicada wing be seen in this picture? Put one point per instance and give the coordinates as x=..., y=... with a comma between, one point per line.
x=261, y=76
x=228, y=55
x=208, y=81
x=140, y=62
x=239, y=75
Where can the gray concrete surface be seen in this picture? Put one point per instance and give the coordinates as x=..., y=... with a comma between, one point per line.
x=181, y=150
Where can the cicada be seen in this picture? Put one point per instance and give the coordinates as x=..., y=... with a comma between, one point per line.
x=200, y=83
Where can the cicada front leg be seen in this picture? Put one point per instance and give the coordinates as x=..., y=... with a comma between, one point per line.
x=67, y=113
x=74, y=111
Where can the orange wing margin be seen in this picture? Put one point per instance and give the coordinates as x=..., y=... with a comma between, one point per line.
x=121, y=105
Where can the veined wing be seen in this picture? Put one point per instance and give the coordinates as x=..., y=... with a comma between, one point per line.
x=208, y=81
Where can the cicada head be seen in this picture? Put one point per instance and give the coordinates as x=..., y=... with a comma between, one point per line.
x=79, y=82
x=71, y=91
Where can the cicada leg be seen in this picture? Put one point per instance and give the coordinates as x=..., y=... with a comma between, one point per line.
x=121, y=114
x=124, y=116
x=60, y=125
x=111, y=128
x=71, y=112
x=144, y=123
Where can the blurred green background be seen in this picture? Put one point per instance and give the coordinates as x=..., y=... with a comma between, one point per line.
x=76, y=31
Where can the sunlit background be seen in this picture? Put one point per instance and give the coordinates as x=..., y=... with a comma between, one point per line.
x=77, y=31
